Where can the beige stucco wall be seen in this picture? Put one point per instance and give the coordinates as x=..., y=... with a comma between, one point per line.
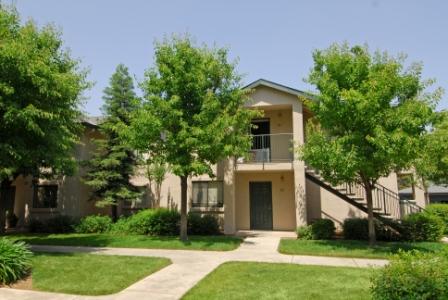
x=295, y=200
x=268, y=98
x=73, y=195
x=283, y=209
x=322, y=204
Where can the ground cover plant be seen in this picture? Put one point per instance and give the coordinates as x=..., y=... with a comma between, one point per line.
x=15, y=261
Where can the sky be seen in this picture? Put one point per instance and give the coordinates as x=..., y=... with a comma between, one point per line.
x=273, y=39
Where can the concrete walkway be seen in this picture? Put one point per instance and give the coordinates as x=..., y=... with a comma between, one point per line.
x=188, y=267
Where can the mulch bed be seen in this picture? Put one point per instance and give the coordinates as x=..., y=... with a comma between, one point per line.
x=23, y=284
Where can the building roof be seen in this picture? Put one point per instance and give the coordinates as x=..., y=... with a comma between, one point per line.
x=277, y=86
x=92, y=121
x=434, y=189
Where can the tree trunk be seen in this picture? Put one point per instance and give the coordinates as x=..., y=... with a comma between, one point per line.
x=114, y=211
x=426, y=192
x=4, y=186
x=369, y=198
x=158, y=192
x=183, y=208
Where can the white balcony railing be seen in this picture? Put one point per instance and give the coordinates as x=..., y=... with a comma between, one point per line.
x=270, y=148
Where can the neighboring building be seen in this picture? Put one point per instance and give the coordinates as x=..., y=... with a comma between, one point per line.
x=437, y=194
x=270, y=189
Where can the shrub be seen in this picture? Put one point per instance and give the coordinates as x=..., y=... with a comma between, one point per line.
x=36, y=226
x=420, y=227
x=202, y=225
x=121, y=226
x=440, y=210
x=61, y=224
x=11, y=219
x=15, y=261
x=159, y=221
x=138, y=223
x=412, y=275
x=304, y=232
x=94, y=224
x=322, y=229
x=56, y=224
x=164, y=222
x=358, y=229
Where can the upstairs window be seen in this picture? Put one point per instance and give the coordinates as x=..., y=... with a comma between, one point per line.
x=45, y=196
x=207, y=194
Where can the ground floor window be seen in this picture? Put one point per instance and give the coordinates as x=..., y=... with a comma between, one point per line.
x=45, y=196
x=207, y=194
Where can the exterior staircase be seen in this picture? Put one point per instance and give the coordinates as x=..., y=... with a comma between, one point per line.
x=387, y=206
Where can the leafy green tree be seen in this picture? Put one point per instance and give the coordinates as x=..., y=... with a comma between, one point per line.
x=432, y=163
x=371, y=114
x=41, y=89
x=193, y=116
x=113, y=162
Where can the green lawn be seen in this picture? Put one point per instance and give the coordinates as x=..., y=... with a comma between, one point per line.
x=215, y=243
x=345, y=248
x=249, y=280
x=89, y=274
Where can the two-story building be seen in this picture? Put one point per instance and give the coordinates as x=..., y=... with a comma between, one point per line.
x=270, y=189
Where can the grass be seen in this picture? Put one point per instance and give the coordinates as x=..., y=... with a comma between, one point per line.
x=250, y=280
x=346, y=248
x=89, y=274
x=212, y=243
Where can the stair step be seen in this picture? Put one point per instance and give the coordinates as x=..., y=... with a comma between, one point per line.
x=358, y=199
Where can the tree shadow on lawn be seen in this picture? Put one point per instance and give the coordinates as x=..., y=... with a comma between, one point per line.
x=380, y=247
x=126, y=241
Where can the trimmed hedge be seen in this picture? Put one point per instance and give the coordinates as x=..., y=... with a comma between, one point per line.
x=164, y=222
x=94, y=224
x=440, y=210
x=412, y=275
x=56, y=224
x=202, y=225
x=420, y=227
x=358, y=229
x=304, y=232
x=322, y=229
x=15, y=261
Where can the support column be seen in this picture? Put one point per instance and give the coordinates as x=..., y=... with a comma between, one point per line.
x=298, y=165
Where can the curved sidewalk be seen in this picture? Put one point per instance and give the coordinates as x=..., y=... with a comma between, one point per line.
x=188, y=267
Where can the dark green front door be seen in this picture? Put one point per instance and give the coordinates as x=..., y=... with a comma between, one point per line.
x=260, y=194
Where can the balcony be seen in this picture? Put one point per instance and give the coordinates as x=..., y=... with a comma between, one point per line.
x=270, y=148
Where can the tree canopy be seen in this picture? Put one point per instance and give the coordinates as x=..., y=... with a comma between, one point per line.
x=371, y=114
x=432, y=163
x=193, y=115
x=114, y=162
x=40, y=96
